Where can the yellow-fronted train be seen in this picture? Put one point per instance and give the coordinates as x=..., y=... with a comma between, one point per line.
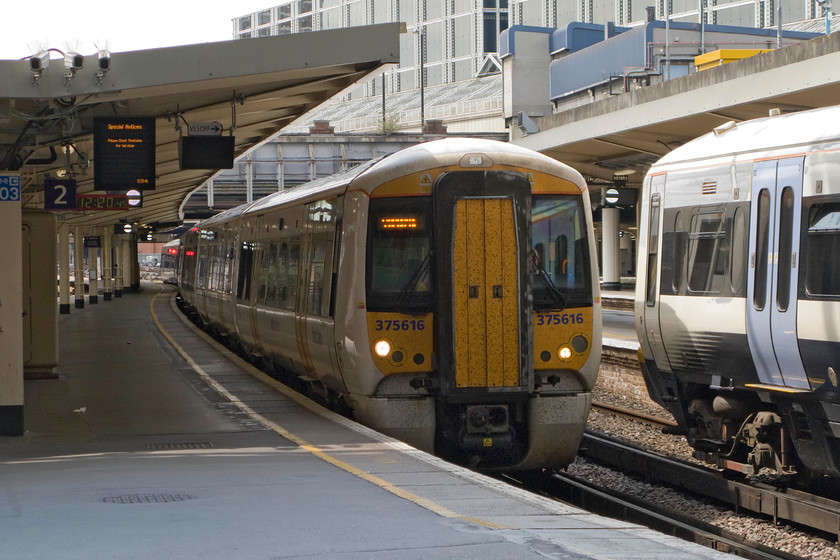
x=446, y=294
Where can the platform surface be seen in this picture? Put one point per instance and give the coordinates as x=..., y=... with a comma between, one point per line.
x=154, y=443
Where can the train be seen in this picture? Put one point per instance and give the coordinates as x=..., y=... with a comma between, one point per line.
x=169, y=259
x=446, y=295
x=737, y=299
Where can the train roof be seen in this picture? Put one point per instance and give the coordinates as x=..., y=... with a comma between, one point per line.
x=450, y=152
x=793, y=133
x=428, y=155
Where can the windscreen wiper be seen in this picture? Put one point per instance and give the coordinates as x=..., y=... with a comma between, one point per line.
x=556, y=295
x=410, y=289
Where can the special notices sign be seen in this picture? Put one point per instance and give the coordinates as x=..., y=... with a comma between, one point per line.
x=123, y=153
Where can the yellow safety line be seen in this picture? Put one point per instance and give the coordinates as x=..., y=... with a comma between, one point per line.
x=302, y=443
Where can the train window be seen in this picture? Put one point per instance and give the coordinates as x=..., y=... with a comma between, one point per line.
x=822, y=259
x=399, y=254
x=708, y=252
x=679, y=253
x=783, y=270
x=560, y=245
x=653, y=250
x=246, y=264
x=762, y=251
x=738, y=255
x=268, y=284
x=291, y=280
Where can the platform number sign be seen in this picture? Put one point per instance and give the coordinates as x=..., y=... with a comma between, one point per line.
x=9, y=187
x=59, y=194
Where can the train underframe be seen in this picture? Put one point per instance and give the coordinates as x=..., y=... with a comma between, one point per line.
x=746, y=430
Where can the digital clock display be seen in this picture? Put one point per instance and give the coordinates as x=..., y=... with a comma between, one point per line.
x=101, y=202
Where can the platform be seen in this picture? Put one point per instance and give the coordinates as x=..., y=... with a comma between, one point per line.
x=154, y=443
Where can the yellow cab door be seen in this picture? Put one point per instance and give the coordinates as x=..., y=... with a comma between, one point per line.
x=483, y=338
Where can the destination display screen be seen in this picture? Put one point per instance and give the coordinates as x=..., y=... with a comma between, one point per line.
x=123, y=153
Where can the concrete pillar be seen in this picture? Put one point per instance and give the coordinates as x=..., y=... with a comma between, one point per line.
x=118, y=266
x=93, y=266
x=610, y=253
x=107, y=269
x=64, y=269
x=11, y=311
x=79, y=267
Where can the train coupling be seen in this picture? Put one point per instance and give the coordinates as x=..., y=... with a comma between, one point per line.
x=429, y=383
x=487, y=429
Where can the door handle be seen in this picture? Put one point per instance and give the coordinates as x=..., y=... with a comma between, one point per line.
x=474, y=292
x=497, y=291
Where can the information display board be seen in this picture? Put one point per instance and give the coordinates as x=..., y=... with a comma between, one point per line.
x=207, y=152
x=123, y=153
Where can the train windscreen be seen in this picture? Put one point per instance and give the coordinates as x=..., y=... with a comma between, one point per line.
x=560, y=257
x=399, y=255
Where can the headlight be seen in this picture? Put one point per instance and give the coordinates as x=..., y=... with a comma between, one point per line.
x=382, y=348
x=564, y=353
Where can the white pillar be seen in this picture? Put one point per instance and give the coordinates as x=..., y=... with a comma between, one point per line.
x=107, y=269
x=64, y=269
x=11, y=311
x=610, y=254
x=79, y=267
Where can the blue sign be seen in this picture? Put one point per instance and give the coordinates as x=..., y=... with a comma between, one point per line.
x=9, y=187
x=59, y=194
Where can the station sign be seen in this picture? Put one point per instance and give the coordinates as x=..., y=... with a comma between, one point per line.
x=59, y=194
x=212, y=128
x=10, y=187
x=86, y=202
x=93, y=242
x=123, y=153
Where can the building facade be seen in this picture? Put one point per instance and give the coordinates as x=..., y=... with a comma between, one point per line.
x=455, y=40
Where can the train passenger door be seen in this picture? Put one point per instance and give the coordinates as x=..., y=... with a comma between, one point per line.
x=483, y=335
x=652, y=327
x=772, y=277
x=314, y=320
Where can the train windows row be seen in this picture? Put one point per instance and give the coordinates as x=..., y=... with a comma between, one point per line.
x=705, y=250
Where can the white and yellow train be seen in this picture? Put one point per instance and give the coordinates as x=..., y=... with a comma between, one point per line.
x=447, y=294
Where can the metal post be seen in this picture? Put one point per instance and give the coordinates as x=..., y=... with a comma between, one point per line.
x=422, y=34
x=779, y=27
x=383, y=103
x=667, y=40
x=702, y=26
x=93, y=275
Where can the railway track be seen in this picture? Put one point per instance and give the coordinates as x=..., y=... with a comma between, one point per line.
x=779, y=504
x=569, y=489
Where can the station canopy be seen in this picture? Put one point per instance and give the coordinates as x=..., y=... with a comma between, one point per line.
x=252, y=87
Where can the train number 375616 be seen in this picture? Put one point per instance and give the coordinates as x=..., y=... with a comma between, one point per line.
x=549, y=319
x=404, y=325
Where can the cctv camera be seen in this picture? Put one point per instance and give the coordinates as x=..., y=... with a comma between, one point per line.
x=104, y=60
x=73, y=61
x=38, y=62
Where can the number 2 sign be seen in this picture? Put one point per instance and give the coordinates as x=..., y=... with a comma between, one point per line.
x=59, y=194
